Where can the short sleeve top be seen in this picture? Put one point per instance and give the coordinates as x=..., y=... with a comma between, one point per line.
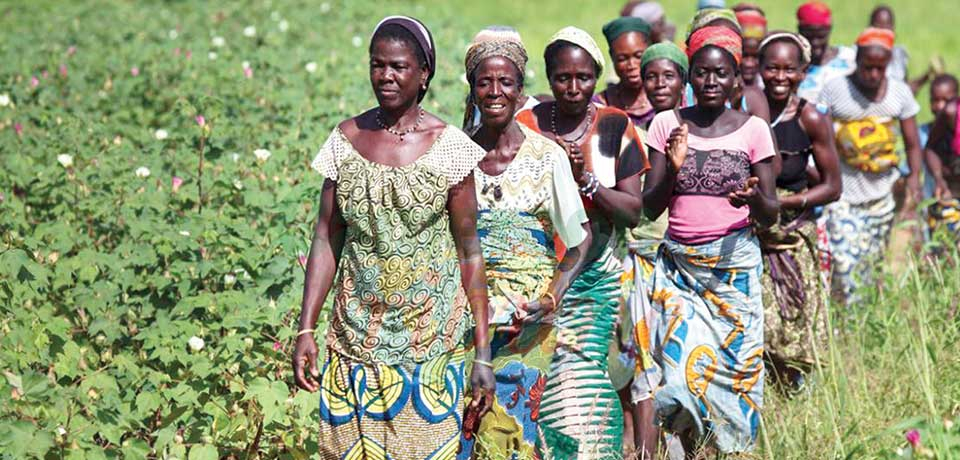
x=400, y=298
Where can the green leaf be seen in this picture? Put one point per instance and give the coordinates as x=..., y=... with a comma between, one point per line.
x=203, y=452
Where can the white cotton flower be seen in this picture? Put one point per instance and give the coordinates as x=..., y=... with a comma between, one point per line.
x=184, y=233
x=4, y=100
x=325, y=7
x=173, y=34
x=161, y=134
x=237, y=184
x=283, y=25
x=65, y=160
x=196, y=343
x=212, y=56
x=61, y=430
x=250, y=31
x=142, y=172
x=261, y=154
x=311, y=67
x=245, y=65
x=235, y=156
x=218, y=41
x=229, y=279
x=357, y=41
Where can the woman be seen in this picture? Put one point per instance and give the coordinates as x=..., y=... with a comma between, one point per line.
x=870, y=112
x=471, y=115
x=943, y=160
x=397, y=224
x=627, y=38
x=580, y=414
x=713, y=168
x=753, y=23
x=664, y=68
x=746, y=98
x=794, y=299
x=815, y=23
x=526, y=194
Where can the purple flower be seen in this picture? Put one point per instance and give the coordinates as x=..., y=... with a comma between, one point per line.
x=18, y=128
x=277, y=346
x=71, y=50
x=44, y=74
x=134, y=71
x=63, y=70
x=34, y=82
x=302, y=259
x=913, y=437
x=201, y=121
x=248, y=72
x=175, y=183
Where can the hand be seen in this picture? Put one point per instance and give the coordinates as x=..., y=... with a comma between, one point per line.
x=747, y=195
x=534, y=312
x=942, y=191
x=677, y=147
x=576, y=162
x=914, y=190
x=483, y=383
x=305, y=354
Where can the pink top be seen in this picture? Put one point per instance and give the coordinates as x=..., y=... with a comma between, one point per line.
x=715, y=166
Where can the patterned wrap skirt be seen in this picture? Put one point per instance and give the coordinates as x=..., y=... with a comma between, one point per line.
x=709, y=344
x=580, y=414
x=858, y=238
x=379, y=411
x=943, y=219
x=795, y=306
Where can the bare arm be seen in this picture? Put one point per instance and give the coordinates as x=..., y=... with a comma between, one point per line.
x=760, y=193
x=321, y=268
x=911, y=140
x=819, y=127
x=623, y=203
x=938, y=134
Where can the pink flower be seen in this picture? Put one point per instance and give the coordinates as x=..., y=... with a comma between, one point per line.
x=248, y=72
x=18, y=128
x=71, y=50
x=134, y=71
x=63, y=70
x=913, y=437
x=175, y=183
x=277, y=346
x=45, y=74
x=201, y=121
x=302, y=259
x=34, y=82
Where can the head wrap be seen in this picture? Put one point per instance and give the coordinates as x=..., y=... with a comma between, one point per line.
x=668, y=51
x=742, y=6
x=420, y=33
x=814, y=13
x=582, y=39
x=796, y=39
x=493, y=41
x=705, y=17
x=622, y=25
x=719, y=36
x=716, y=4
x=652, y=12
x=875, y=36
x=753, y=24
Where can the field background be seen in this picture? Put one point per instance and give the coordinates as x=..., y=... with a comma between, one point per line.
x=152, y=313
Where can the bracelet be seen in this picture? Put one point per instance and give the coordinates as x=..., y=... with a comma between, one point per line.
x=483, y=363
x=593, y=184
x=305, y=331
x=590, y=178
x=552, y=299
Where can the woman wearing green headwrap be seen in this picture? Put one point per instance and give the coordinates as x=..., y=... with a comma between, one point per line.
x=627, y=39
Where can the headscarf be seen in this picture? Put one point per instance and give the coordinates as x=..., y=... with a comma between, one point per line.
x=622, y=25
x=582, y=39
x=668, y=51
x=489, y=43
x=652, y=12
x=753, y=23
x=719, y=36
x=875, y=36
x=716, y=4
x=814, y=13
x=420, y=33
x=796, y=39
x=705, y=17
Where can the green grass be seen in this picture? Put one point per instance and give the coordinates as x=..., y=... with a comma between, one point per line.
x=104, y=276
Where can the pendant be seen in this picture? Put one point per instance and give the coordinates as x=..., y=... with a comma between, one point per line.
x=497, y=193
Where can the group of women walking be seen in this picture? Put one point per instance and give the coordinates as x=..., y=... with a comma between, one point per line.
x=574, y=278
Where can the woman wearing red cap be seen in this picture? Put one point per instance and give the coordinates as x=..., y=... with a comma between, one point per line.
x=814, y=22
x=871, y=113
x=713, y=167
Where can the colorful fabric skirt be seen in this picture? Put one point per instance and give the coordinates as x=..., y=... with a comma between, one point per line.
x=378, y=411
x=943, y=219
x=638, y=318
x=709, y=344
x=794, y=299
x=580, y=414
x=858, y=238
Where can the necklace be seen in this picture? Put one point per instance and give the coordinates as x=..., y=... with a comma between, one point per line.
x=398, y=133
x=586, y=129
x=785, y=107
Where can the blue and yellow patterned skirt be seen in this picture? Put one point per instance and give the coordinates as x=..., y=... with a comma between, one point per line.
x=376, y=412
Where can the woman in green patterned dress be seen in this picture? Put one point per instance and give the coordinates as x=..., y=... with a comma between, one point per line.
x=397, y=223
x=526, y=194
